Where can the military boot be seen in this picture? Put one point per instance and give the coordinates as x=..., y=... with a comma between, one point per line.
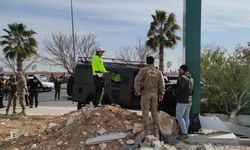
x=22, y=113
x=147, y=130
x=7, y=112
x=156, y=133
x=14, y=112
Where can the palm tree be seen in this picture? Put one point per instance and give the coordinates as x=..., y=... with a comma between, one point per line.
x=19, y=43
x=162, y=34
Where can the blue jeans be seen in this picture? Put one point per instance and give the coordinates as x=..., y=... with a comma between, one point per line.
x=57, y=93
x=182, y=115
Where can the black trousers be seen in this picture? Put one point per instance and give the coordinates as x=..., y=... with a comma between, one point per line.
x=27, y=100
x=33, y=93
x=1, y=101
x=99, y=89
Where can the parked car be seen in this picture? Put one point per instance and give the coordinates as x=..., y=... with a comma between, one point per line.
x=172, y=79
x=42, y=76
x=46, y=86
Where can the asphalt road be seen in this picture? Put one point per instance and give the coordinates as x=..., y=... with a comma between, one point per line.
x=47, y=105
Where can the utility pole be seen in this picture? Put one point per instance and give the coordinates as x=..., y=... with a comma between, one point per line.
x=73, y=35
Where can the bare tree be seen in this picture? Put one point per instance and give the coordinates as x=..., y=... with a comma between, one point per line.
x=138, y=53
x=59, y=49
x=12, y=63
x=127, y=53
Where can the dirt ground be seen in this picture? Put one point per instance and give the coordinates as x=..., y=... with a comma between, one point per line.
x=70, y=131
x=55, y=133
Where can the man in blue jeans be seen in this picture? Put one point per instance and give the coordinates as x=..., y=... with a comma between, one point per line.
x=183, y=93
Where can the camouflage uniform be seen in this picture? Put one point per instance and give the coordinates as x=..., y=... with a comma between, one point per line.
x=22, y=90
x=12, y=95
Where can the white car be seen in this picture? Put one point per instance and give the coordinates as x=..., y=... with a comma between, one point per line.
x=42, y=76
x=46, y=86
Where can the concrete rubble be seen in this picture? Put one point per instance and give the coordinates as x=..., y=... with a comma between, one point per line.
x=101, y=128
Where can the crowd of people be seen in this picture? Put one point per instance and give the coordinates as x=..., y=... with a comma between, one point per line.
x=150, y=84
x=26, y=90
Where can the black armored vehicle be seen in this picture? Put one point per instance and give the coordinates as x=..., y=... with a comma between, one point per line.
x=81, y=86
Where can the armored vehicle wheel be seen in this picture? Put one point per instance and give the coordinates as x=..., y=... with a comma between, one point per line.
x=80, y=105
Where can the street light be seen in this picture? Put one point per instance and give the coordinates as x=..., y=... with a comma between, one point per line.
x=73, y=35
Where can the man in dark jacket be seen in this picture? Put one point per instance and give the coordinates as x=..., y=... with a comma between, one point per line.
x=2, y=89
x=34, y=90
x=57, y=83
x=183, y=95
x=28, y=85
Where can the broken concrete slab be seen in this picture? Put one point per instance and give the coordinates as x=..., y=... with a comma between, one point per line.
x=70, y=121
x=182, y=145
x=106, y=138
x=9, y=138
x=220, y=138
x=208, y=146
x=219, y=125
x=19, y=133
x=137, y=128
x=168, y=124
x=82, y=146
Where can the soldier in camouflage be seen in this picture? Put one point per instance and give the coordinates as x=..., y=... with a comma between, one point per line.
x=12, y=92
x=22, y=91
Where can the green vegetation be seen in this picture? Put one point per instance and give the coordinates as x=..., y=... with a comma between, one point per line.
x=162, y=34
x=225, y=80
x=19, y=43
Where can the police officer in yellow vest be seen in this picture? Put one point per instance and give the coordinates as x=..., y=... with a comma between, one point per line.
x=98, y=71
x=116, y=77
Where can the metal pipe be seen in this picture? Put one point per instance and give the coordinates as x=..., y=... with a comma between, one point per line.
x=73, y=34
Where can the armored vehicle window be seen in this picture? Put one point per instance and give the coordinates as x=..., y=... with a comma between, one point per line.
x=120, y=78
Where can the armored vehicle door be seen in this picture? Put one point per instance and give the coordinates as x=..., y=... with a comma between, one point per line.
x=121, y=88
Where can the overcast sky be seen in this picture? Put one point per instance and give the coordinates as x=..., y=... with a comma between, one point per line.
x=117, y=23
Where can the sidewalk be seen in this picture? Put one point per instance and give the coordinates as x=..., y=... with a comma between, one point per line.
x=53, y=108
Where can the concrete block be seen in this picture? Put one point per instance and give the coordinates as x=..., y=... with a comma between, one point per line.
x=156, y=143
x=146, y=148
x=101, y=131
x=151, y=138
x=91, y=130
x=147, y=144
x=129, y=127
x=97, y=114
x=130, y=142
